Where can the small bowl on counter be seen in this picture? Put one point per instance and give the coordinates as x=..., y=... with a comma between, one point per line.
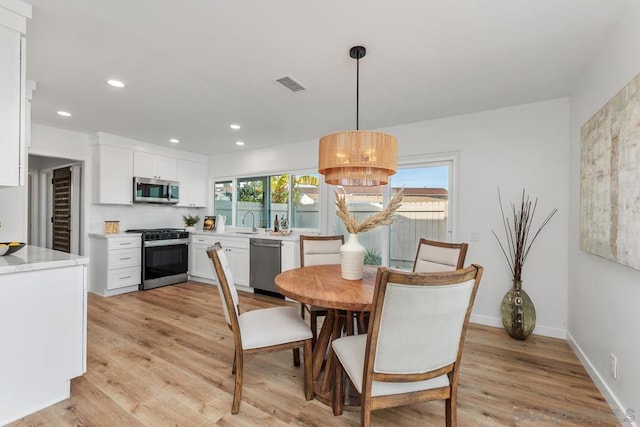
x=8, y=248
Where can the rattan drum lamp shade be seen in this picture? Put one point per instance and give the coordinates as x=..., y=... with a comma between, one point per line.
x=357, y=157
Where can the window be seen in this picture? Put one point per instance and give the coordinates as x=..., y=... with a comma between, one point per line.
x=223, y=198
x=294, y=199
x=424, y=212
x=363, y=202
x=305, y=203
x=251, y=198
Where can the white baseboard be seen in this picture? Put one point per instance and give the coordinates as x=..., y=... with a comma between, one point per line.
x=545, y=331
x=611, y=399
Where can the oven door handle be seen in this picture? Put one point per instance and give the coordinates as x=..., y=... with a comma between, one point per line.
x=174, y=242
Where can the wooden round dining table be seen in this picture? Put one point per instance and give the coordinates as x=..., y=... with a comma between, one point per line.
x=346, y=302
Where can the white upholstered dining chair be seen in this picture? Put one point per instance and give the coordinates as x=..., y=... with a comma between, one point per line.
x=439, y=256
x=259, y=331
x=413, y=348
x=318, y=250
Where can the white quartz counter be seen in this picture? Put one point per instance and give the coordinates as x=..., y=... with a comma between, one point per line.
x=114, y=235
x=294, y=237
x=32, y=258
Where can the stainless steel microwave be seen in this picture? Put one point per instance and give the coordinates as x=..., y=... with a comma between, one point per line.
x=149, y=190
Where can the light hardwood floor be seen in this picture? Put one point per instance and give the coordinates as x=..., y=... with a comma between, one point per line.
x=163, y=358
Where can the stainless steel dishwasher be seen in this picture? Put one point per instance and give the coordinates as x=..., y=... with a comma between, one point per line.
x=264, y=265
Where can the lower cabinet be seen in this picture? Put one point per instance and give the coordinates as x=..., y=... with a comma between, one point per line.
x=115, y=264
x=44, y=323
x=237, y=252
x=235, y=249
x=199, y=263
x=290, y=255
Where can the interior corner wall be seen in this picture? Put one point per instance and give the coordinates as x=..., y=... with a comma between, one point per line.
x=604, y=317
x=526, y=146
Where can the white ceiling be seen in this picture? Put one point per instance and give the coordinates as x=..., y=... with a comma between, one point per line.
x=192, y=67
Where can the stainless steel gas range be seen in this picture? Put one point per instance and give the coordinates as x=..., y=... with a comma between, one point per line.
x=165, y=256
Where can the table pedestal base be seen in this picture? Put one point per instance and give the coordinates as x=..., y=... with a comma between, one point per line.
x=336, y=323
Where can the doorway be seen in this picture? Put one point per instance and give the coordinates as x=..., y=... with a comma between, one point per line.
x=55, y=203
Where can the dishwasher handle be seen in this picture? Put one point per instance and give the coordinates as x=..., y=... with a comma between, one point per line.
x=265, y=243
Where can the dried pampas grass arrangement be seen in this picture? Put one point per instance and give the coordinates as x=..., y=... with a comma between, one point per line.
x=384, y=217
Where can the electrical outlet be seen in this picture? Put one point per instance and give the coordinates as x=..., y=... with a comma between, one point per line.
x=474, y=236
x=613, y=366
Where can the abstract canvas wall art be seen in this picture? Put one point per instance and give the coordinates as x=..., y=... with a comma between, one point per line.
x=610, y=179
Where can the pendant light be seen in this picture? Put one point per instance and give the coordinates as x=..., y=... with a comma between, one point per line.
x=357, y=157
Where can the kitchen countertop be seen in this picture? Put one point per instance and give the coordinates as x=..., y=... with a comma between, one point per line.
x=294, y=237
x=32, y=258
x=114, y=235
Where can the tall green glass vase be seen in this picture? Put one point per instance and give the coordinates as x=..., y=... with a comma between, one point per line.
x=518, y=312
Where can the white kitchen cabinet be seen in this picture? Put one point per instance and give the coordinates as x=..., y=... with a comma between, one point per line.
x=239, y=261
x=43, y=313
x=193, y=183
x=236, y=250
x=289, y=255
x=115, y=263
x=12, y=106
x=199, y=263
x=150, y=165
x=112, y=175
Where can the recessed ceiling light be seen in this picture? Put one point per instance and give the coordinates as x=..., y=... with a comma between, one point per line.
x=64, y=114
x=234, y=126
x=115, y=83
x=174, y=140
x=239, y=143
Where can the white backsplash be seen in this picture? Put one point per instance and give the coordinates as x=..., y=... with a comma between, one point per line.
x=141, y=216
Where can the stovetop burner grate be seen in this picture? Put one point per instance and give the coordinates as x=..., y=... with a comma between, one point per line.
x=161, y=233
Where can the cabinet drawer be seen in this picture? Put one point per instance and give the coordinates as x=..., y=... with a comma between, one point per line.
x=123, y=277
x=124, y=258
x=124, y=242
x=241, y=243
x=204, y=240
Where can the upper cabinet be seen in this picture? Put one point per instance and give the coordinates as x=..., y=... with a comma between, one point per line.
x=116, y=160
x=149, y=165
x=113, y=175
x=193, y=183
x=13, y=105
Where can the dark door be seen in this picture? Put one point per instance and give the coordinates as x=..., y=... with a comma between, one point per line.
x=61, y=218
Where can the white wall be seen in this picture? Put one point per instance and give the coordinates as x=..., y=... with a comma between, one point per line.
x=603, y=295
x=13, y=208
x=523, y=146
x=53, y=142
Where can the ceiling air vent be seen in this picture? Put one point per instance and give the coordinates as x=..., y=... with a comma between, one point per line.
x=292, y=85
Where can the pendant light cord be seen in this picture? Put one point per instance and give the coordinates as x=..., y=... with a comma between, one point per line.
x=358, y=93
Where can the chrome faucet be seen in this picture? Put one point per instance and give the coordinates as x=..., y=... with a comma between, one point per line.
x=253, y=221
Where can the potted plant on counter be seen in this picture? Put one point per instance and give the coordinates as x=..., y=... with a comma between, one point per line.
x=190, y=222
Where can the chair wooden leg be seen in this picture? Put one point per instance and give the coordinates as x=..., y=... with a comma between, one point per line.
x=302, y=310
x=237, y=392
x=337, y=401
x=233, y=367
x=308, y=370
x=296, y=357
x=451, y=416
x=314, y=328
x=365, y=412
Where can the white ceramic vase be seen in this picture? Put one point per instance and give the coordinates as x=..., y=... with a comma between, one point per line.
x=352, y=258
